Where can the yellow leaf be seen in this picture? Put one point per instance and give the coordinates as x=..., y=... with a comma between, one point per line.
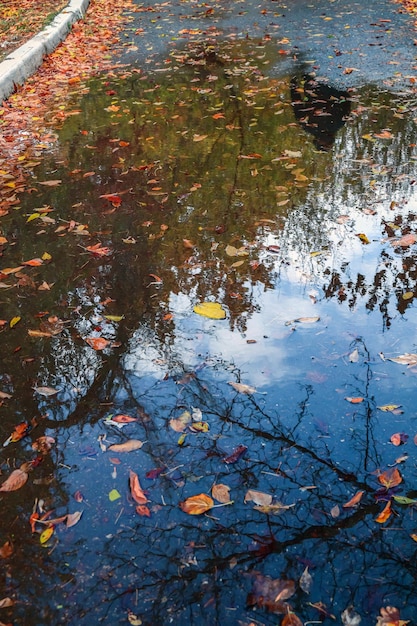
x=408, y=295
x=114, y=495
x=213, y=310
x=47, y=534
x=364, y=239
x=114, y=318
x=46, y=256
x=14, y=321
x=196, y=505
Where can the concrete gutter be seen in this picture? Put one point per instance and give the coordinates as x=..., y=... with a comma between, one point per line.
x=24, y=61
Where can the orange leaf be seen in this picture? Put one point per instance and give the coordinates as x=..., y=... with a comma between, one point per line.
x=143, y=510
x=291, y=620
x=33, y=262
x=354, y=501
x=355, y=400
x=406, y=240
x=135, y=489
x=218, y=116
x=385, y=514
x=6, y=550
x=196, y=505
x=390, y=478
x=16, y=480
x=98, y=250
x=98, y=343
x=123, y=419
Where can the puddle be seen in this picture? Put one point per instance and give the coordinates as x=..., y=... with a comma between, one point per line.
x=292, y=204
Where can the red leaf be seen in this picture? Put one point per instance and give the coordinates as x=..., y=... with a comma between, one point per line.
x=98, y=343
x=236, y=454
x=135, y=489
x=390, y=478
x=143, y=510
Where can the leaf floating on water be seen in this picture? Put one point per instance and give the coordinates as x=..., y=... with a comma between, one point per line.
x=46, y=391
x=6, y=550
x=291, y=619
x=221, y=493
x=20, y=431
x=273, y=509
x=126, y=446
x=114, y=495
x=236, y=455
x=99, y=250
x=408, y=295
x=179, y=424
x=196, y=505
x=390, y=616
x=14, y=321
x=306, y=581
x=135, y=489
x=390, y=407
x=97, y=343
x=385, y=514
x=354, y=500
x=43, y=444
x=123, y=419
x=212, y=310
x=350, y=617
x=390, y=478
x=258, y=497
x=73, y=518
x=270, y=593
x=354, y=356
x=398, y=439
x=242, y=388
x=143, y=510
x=364, y=239
x=405, y=241
x=354, y=400
x=303, y=320
x=46, y=534
x=335, y=511
x=408, y=358
x=15, y=481
x=6, y=602
x=404, y=500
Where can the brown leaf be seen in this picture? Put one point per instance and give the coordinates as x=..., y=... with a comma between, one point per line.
x=179, y=424
x=221, y=493
x=196, y=505
x=270, y=593
x=390, y=616
x=15, y=481
x=242, y=388
x=409, y=359
x=354, y=500
x=291, y=620
x=143, y=510
x=6, y=550
x=385, y=513
x=258, y=497
x=73, y=518
x=405, y=240
x=127, y=446
x=135, y=489
x=6, y=602
x=98, y=343
x=390, y=478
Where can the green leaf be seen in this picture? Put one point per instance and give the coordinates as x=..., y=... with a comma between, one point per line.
x=404, y=500
x=213, y=310
x=34, y=216
x=114, y=495
x=114, y=318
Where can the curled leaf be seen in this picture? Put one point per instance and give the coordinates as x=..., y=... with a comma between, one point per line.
x=385, y=513
x=135, y=489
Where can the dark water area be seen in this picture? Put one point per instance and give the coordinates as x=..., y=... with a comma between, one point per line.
x=228, y=174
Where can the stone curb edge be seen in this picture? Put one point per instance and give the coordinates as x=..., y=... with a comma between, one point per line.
x=24, y=61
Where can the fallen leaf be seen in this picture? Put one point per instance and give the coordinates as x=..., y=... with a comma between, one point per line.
x=273, y=509
x=33, y=262
x=354, y=356
x=6, y=550
x=354, y=500
x=98, y=250
x=50, y=183
x=350, y=617
x=390, y=478
x=6, y=602
x=196, y=505
x=43, y=444
x=306, y=581
x=236, y=455
x=354, y=400
x=404, y=500
x=15, y=481
x=213, y=310
x=389, y=407
x=114, y=495
x=46, y=391
x=258, y=497
x=405, y=241
x=179, y=424
x=221, y=493
x=390, y=616
x=127, y=446
x=409, y=358
x=97, y=343
x=143, y=510
x=20, y=431
x=46, y=534
x=270, y=593
x=291, y=620
x=364, y=239
x=242, y=388
x=398, y=439
x=14, y=321
x=135, y=489
x=73, y=518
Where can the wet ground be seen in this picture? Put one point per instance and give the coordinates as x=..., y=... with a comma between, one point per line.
x=259, y=175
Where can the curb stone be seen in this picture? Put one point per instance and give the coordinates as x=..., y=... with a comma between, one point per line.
x=24, y=61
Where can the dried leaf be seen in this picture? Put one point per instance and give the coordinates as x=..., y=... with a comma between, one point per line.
x=123, y=419
x=398, y=439
x=270, y=593
x=180, y=423
x=335, y=511
x=15, y=481
x=409, y=358
x=405, y=241
x=6, y=602
x=303, y=320
x=98, y=343
x=390, y=616
x=389, y=407
x=43, y=444
x=350, y=617
x=73, y=518
x=99, y=250
x=354, y=500
x=135, y=489
x=46, y=534
x=258, y=497
x=221, y=493
x=212, y=310
x=291, y=620
x=6, y=550
x=143, y=510
x=306, y=581
x=354, y=400
x=354, y=356
x=273, y=509
x=390, y=478
x=242, y=388
x=46, y=391
x=127, y=446
x=385, y=513
x=236, y=454
x=196, y=505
